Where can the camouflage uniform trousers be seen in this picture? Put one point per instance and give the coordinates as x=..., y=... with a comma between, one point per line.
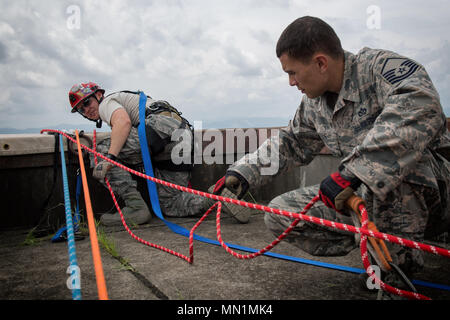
x=404, y=213
x=174, y=203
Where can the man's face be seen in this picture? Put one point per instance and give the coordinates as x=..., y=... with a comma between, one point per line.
x=307, y=77
x=89, y=107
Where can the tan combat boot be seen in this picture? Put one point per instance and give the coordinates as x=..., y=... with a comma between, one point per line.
x=134, y=212
x=240, y=214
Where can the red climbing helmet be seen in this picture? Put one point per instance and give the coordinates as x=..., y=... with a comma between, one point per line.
x=79, y=92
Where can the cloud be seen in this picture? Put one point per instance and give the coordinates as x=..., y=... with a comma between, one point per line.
x=211, y=59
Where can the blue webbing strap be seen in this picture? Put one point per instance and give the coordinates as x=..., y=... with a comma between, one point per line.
x=152, y=190
x=153, y=193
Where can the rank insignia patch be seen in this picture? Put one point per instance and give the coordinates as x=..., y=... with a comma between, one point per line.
x=398, y=69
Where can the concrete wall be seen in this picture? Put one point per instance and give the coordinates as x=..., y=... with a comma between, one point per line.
x=31, y=186
x=31, y=189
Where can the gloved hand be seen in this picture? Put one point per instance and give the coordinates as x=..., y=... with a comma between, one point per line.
x=234, y=182
x=103, y=167
x=336, y=189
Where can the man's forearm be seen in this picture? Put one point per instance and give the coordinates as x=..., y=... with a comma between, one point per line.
x=119, y=134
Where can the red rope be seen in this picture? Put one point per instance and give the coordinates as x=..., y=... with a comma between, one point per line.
x=364, y=231
x=270, y=246
x=370, y=271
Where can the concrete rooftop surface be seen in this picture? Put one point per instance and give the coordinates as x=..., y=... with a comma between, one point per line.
x=139, y=272
x=134, y=271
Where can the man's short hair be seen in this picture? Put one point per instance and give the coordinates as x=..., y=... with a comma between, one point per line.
x=306, y=36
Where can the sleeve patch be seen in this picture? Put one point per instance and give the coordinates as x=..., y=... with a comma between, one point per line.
x=398, y=69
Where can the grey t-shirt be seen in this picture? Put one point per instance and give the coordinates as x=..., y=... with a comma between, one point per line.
x=128, y=101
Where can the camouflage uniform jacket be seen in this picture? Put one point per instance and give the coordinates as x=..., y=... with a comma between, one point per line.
x=386, y=124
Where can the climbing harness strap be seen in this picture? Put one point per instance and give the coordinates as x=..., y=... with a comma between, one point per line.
x=151, y=186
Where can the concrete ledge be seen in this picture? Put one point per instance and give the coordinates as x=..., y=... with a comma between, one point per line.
x=32, y=144
x=32, y=186
x=29, y=176
x=23, y=144
x=35, y=144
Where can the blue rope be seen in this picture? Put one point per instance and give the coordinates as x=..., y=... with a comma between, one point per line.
x=153, y=193
x=76, y=292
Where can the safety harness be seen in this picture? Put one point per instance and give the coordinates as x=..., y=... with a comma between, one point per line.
x=151, y=186
x=157, y=144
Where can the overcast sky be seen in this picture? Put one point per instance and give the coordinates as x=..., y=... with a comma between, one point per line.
x=211, y=59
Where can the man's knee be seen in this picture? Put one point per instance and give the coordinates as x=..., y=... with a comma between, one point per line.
x=311, y=238
x=275, y=222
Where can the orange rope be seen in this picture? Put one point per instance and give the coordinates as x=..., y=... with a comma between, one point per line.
x=101, y=285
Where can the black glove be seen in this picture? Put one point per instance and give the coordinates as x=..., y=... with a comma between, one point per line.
x=234, y=182
x=336, y=189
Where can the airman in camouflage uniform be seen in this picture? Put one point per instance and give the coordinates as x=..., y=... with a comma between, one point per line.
x=120, y=110
x=161, y=122
x=173, y=203
x=387, y=125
